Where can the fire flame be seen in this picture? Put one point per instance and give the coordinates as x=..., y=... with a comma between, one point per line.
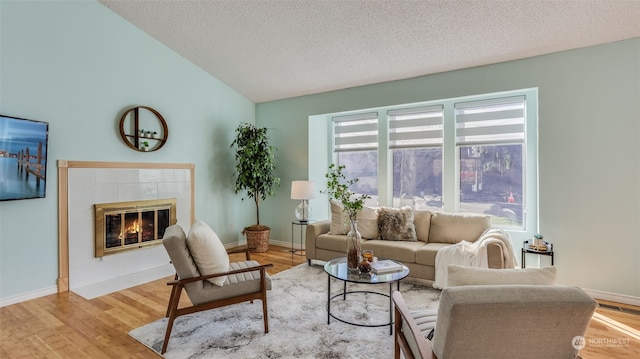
x=134, y=228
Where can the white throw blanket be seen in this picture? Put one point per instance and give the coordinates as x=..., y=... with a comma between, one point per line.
x=472, y=254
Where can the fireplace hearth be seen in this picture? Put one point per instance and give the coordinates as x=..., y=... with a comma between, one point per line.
x=124, y=226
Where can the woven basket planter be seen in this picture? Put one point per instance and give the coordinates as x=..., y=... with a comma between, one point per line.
x=258, y=241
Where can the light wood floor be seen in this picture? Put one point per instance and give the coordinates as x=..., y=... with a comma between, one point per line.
x=69, y=326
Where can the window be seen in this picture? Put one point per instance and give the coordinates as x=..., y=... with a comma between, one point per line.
x=415, y=140
x=476, y=154
x=356, y=147
x=490, y=138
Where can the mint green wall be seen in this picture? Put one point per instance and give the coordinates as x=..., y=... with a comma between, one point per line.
x=78, y=65
x=589, y=125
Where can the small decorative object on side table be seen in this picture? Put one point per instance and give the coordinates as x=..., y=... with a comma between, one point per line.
x=544, y=248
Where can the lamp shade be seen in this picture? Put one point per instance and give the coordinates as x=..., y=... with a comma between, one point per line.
x=303, y=190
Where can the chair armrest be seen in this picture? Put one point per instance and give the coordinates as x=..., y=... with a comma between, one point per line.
x=245, y=250
x=404, y=320
x=260, y=268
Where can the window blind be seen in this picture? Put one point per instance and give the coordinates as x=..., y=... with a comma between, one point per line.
x=499, y=120
x=416, y=127
x=356, y=132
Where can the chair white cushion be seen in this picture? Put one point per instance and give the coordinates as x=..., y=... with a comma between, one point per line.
x=458, y=275
x=207, y=251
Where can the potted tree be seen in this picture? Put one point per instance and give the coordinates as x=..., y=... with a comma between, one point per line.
x=255, y=170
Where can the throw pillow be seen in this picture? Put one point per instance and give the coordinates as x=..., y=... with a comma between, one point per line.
x=422, y=221
x=458, y=275
x=339, y=220
x=207, y=251
x=396, y=224
x=368, y=223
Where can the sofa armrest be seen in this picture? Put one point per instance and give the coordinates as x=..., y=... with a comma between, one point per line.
x=495, y=256
x=313, y=231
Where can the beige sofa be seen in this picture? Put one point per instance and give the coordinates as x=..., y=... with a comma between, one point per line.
x=434, y=231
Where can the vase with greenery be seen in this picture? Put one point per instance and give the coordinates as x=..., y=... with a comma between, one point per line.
x=255, y=171
x=338, y=189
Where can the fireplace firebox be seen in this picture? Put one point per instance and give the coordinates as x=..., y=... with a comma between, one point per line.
x=124, y=226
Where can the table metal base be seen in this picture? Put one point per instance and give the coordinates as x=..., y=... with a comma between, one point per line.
x=344, y=297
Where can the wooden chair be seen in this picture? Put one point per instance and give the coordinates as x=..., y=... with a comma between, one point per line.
x=496, y=321
x=246, y=281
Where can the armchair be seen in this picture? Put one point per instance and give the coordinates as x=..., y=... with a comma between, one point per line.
x=495, y=321
x=246, y=281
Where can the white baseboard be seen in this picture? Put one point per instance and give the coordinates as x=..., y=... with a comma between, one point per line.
x=27, y=296
x=613, y=297
x=285, y=244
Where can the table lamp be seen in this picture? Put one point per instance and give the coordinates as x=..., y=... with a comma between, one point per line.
x=303, y=191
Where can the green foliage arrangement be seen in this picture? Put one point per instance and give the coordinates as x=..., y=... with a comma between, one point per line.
x=255, y=164
x=338, y=189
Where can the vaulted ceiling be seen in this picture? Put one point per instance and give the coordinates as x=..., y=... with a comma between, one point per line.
x=275, y=49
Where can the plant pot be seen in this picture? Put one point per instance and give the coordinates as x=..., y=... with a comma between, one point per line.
x=257, y=238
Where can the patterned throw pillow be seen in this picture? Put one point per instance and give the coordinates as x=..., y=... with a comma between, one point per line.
x=396, y=224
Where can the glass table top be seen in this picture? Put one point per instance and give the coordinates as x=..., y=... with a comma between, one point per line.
x=337, y=268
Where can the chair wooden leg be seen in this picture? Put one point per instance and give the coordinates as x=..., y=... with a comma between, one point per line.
x=264, y=314
x=172, y=310
x=173, y=293
x=263, y=288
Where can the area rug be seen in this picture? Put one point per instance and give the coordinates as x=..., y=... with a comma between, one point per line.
x=297, y=322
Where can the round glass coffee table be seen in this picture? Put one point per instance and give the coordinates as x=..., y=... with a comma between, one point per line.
x=337, y=269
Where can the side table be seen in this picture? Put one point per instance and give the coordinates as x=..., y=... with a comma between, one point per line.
x=302, y=225
x=526, y=249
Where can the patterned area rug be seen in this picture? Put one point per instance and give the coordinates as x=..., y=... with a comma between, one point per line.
x=297, y=322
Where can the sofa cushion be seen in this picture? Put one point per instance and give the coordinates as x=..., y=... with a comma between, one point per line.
x=457, y=227
x=426, y=255
x=396, y=224
x=422, y=221
x=402, y=251
x=207, y=251
x=339, y=219
x=368, y=223
x=458, y=275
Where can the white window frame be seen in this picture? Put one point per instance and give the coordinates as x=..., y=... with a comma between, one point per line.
x=451, y=177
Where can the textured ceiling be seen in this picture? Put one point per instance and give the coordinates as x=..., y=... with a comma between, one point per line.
x=269, y=50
